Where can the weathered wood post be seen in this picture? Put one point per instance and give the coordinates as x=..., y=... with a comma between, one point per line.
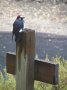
x=26, y=68
x=25, y=51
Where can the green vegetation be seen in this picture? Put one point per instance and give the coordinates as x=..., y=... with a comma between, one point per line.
x=10, y=84
x=62, y=76
x=7, y=83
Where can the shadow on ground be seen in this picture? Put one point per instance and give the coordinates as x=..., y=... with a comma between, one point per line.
x=51, y=44
x=6, y=44
x=45, y=44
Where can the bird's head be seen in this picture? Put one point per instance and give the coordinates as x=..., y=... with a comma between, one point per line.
x=20, y=17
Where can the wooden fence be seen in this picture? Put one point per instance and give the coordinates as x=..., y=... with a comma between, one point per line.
x=26, y=68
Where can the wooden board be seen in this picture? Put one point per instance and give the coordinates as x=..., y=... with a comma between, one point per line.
x=46, y=71
x=11, y=63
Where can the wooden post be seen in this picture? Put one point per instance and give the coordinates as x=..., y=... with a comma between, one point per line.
x=26, y=67
x=25, y=50
x=44, y=71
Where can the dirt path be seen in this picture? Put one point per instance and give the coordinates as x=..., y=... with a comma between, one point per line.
x=48, y=19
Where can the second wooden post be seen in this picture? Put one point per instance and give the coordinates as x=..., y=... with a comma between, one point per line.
x=25, y=52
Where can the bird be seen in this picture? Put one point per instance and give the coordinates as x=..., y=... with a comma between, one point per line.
x=17, y=26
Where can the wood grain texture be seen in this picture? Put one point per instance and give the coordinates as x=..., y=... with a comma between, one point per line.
x=46, y=71
x=25, y=51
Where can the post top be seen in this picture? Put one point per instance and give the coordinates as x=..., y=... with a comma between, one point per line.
x=23, y=33
x=28, y=30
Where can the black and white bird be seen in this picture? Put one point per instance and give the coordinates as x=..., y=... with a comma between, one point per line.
x=18, y=26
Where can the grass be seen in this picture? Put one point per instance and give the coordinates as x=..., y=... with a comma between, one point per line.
x=9, y=83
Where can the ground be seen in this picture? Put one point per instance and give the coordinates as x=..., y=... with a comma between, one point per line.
x=49, y=22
